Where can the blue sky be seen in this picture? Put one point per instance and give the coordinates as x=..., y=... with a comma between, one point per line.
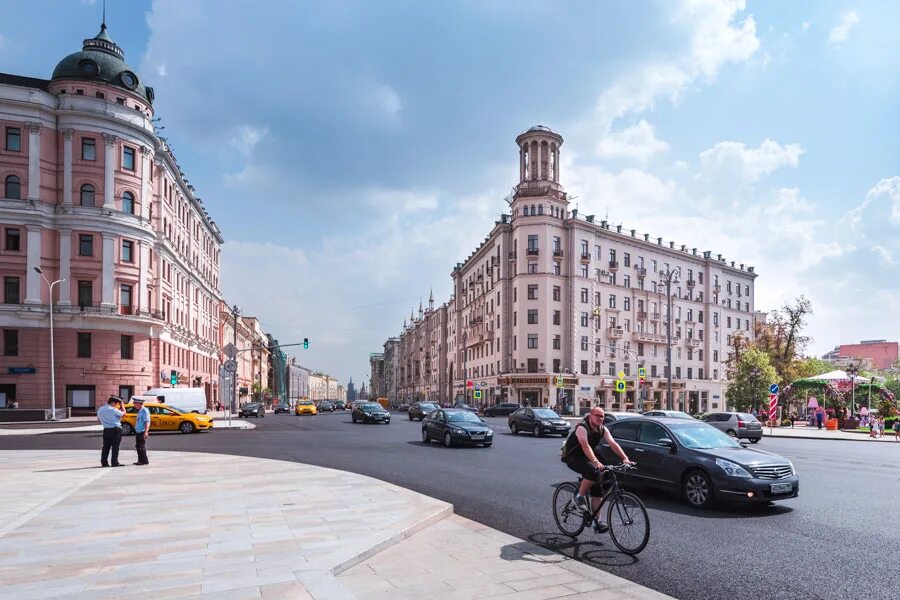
x=353, y=152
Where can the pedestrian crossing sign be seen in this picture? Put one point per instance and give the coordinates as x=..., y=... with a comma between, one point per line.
x=559, y=381
x=620, y=385
x=642, y=372
x=477, y=394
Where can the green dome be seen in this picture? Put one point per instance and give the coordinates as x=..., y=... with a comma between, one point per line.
x=102, y=61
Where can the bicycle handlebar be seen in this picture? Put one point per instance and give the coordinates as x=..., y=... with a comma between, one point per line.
x=620, y=468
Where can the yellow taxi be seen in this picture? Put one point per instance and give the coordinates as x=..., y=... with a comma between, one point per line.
x=166, y=418
x=305, y=407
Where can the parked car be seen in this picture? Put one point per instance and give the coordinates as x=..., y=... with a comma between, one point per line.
x=700, y=462
x=538, y=421
x=185, y=399
x=420, y=410
x=252, y=409
x=617, y=416
x=464, y=406
x=370, y=412
x=736, y=424
x=325, y=406
x=305, y=407
x=339, y=405
x=282, y=407
x=456, y=427
x=403, y=407
x=502, y=409
x=672, y=414
x=166, y=418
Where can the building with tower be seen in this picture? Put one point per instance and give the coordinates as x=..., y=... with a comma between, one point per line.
x=93, y=197
x=553, y=307
x=351, y=391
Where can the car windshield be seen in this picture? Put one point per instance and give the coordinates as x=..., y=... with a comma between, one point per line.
x=427, y=406
x=677, y=414
x=463, y=416
x=703, y=437
x=251, y=405
x=305, y=403
x=371, y=406
x=545, y=413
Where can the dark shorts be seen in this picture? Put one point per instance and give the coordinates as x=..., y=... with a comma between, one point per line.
x=581, y=465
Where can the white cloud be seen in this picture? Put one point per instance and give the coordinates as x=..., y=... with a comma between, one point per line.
x=161, y=70
x=384, y=100
x=841, y=31
x=638, y=142
x=247, y=137
x=805, y=25
x=404, y=200
x=716, y=38
x=734, y=159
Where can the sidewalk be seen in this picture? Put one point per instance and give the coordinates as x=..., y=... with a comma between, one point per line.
x=812, y=433
x=211, y=526
x=39, y=428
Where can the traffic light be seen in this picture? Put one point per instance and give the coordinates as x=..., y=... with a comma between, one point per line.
x=306, y=343
x=173, y=377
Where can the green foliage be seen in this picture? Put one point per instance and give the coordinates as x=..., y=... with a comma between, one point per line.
x=893, y=385
x=749, y=385
x=810, y=367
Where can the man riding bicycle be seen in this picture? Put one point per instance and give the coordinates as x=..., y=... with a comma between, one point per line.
x=578, y=454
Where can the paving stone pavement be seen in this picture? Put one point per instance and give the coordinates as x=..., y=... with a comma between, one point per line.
x=212, y=526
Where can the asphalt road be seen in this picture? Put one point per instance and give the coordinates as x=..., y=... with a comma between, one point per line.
x=837, y=540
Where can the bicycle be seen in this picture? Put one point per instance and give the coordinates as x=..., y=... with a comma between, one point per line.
x=626, y=515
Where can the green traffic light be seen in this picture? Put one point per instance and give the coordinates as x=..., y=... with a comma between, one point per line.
x=306, y=343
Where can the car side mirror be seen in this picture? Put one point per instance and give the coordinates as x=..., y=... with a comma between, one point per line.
x=666, y=442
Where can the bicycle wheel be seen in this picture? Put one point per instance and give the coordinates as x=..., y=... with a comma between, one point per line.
x=569, y=518
x=629, y=525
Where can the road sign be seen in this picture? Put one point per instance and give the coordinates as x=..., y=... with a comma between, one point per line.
x=642, y=372
x=477, y=394
x=621, y=374
x=469, y=383
x=231, y=365
x=559, y=381
x=484, y=384
x=773, y=389
x=620, y=385
x=773, y=404
x=230, y=350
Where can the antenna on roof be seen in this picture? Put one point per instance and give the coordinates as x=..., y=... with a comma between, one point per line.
x=103, y=25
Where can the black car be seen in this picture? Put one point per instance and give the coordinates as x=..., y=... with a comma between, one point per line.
x=700, y=462
x=252, y=409
x=537, y=421
x=338, y=405
x=325, y=406
x=403, y=407
x=370, y=412
x=283, y=408
x=456, y=427
x=464, y=406
x=502, y=409
x=420, y=410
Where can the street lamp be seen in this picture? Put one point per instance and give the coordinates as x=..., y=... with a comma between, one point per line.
x=852, y=371
x=52, y=358
x=235, y=311
x=667, y=277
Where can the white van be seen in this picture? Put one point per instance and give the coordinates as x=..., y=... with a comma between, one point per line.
x=184, y=399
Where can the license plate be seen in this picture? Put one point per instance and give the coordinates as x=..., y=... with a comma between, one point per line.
x=477, y=436
x=781, y=488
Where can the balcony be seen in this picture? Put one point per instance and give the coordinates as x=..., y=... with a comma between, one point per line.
x=641, y=271
x=654, y=316
x=615, y=333
x=691, y=283
x=642, y=315
x=531, y=252
x=613, y=266
x=558, y=253
x=512, y=255
x=692, y=342
x=646, y=336
x=717, y=288
x=585, y=257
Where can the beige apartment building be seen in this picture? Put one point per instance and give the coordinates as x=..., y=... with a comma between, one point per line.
x=553, y=306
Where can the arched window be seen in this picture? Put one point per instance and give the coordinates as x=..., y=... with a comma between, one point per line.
x=533, y=210
x=128, y=203
x=13, y=188
x=540, y=209
x=525, y=211
x=87, y=195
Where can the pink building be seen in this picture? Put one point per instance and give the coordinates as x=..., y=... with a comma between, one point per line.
x=93, y=196
x=882, y=353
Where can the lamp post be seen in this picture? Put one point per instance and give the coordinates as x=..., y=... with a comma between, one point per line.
x=667, y=277
x=852, y=371
x=52, y=357
x=235, y=311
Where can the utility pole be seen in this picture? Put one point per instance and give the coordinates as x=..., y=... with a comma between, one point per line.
x=235, y=311
x=52, y=357
x=668, y=276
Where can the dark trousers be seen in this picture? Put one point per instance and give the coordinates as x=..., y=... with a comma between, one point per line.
x=112, y=437
x=140, y=446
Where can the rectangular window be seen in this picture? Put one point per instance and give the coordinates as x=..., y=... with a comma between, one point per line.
x=584, y=249
x=10, y=342
x=127, y=251
x=653, y=371
x=14, y=139
x=557, y=317
x=584, y=319
x=532, y=292
x=557, y=244
x=557, y=344
x=557, y=293
x=125, y=299
x=584, y=295
x=532, y=316
x=532, y=268
x=85, y=293
x=677, y=372
x=13, y=239
x=532, y=341
x=612, y=369
x=626, y=303
x=612, y=300
x=557, y=270
x=84, y=345
x=556, y=365
x=126, y=346
x=626, y=259
x=690, y=372
x=85, y=244
x=584, y=367
x=88, y=149
x=626, y=281
x=728, y=321
x=11, y=290
x=128, y=158
x=532, y=365
x=584, y=342
x=532, y=242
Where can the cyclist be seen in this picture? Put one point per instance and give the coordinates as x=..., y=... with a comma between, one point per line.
x=578, y=454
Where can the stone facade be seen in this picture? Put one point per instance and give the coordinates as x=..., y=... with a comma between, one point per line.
x=552, y=306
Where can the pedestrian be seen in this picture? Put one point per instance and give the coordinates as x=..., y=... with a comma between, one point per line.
x=881, y=427
x=897, y=429
x=820, y=415
x=141, y=431
x=110, y=416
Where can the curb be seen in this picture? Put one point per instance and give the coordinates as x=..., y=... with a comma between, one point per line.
x=822, y=439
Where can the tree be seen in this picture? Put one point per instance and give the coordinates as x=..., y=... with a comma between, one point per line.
x=810, y=367
x=781, y=337
x=749, y=384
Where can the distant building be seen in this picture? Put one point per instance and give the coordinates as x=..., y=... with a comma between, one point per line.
x=351, y=391
x=297, y=379
x=376, y=378
x=881, y=353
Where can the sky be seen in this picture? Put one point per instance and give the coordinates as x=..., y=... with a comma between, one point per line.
x=353, y=152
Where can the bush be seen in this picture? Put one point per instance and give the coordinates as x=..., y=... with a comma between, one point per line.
x=889, y=422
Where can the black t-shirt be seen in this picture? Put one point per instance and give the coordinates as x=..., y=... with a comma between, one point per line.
x=572, y=448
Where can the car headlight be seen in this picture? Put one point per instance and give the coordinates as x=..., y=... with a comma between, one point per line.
x=732, y=469
x=547, y=423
